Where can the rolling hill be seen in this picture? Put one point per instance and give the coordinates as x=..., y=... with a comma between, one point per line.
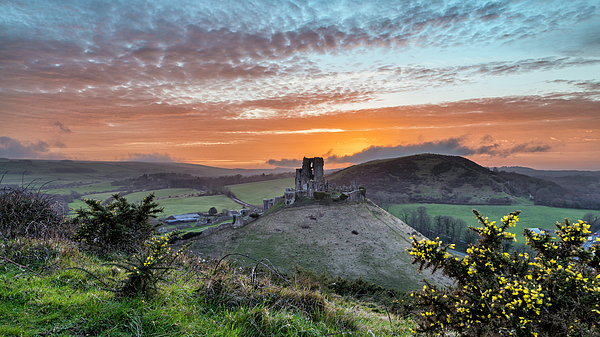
x=432, y=178
x=16, y=171
x=350, y=240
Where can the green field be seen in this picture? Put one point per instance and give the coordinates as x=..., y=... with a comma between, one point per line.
x=138, y=196
x=531, y=216
x=253, y=193
x=173, y=206
x=92, y=188
x=196, y=204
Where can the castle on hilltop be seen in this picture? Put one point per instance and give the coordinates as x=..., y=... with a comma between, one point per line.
x=310, y=179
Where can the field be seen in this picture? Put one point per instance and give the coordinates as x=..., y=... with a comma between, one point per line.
x=179, y=205
x=196, y=204
x=253, y=193
x=531, y=216
x=138, y=196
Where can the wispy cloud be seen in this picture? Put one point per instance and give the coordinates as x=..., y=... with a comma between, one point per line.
x=62, y=127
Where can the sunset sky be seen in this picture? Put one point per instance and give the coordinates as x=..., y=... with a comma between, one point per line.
x=259, y=84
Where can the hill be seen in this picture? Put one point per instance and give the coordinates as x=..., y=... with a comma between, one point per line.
x=585, y=183
x=349, y=240
x=432, y=178
x=17, y=171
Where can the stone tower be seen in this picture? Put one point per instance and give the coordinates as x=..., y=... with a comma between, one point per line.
x=312, y=170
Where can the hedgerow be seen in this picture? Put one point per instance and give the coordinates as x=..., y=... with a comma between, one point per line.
x=554, y=292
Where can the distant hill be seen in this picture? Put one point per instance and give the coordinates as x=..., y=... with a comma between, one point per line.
x=349, y=240
x=18, y=170
x=585, y=183
x=454, y=180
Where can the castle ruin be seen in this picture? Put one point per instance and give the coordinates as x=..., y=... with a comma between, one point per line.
x=310, y=179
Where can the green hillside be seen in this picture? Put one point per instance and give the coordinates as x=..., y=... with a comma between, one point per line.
x=432, y=178
x=347, y=240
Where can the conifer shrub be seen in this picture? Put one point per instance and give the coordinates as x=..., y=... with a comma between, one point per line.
x=118, y=226
x=554, y=292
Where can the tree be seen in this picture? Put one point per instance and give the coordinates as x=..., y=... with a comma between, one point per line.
x=555, y=292
x=116, y=226
x=213, y=211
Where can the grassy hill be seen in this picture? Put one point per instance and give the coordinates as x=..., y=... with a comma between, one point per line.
x=347, y=240
x=431, y=178
x=75, y=172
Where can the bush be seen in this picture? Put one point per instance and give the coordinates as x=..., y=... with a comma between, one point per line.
x=320, y=195
x=117, y=226
x=25, y=212
x=362, y=191
x=556, y=292
x=148, y=267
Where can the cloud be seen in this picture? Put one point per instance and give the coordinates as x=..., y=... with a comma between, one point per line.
x=450, y=146
x=149, y=157
x=285, y=162
x=62, y=127
x=495, y=150
x=13, y=148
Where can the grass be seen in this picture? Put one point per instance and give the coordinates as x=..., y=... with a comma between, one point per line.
x=138, y=196
x=196, y=204
x=531, y=216
x=253, y=193
x=176, y=205
x=96, y=187
x=320, y=238
x=197, y=299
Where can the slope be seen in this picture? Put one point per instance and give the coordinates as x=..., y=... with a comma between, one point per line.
x=432, y=178
x=349, y=240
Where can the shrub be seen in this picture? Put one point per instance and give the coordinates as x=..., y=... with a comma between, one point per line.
x=343, y=197
x=362, y=191
x=116, y=226
x=555, y=292
x=321, y=195
x=148, y=267
x=25, y=212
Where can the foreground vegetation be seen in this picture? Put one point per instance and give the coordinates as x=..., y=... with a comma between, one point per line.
x=119, y=279
x=531, y=217
x=112, y=283
x=48, y=293
x=554, y=292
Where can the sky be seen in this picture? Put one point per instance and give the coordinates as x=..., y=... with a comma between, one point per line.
x=262, y=84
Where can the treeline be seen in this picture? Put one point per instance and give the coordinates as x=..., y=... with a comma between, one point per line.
x=446, y=227
x=184, y=180
x=454, y=230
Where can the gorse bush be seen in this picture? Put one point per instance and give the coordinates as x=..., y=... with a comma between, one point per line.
x=116, y=226
x=555, y=292
x=148, y=267
x=25, y=212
